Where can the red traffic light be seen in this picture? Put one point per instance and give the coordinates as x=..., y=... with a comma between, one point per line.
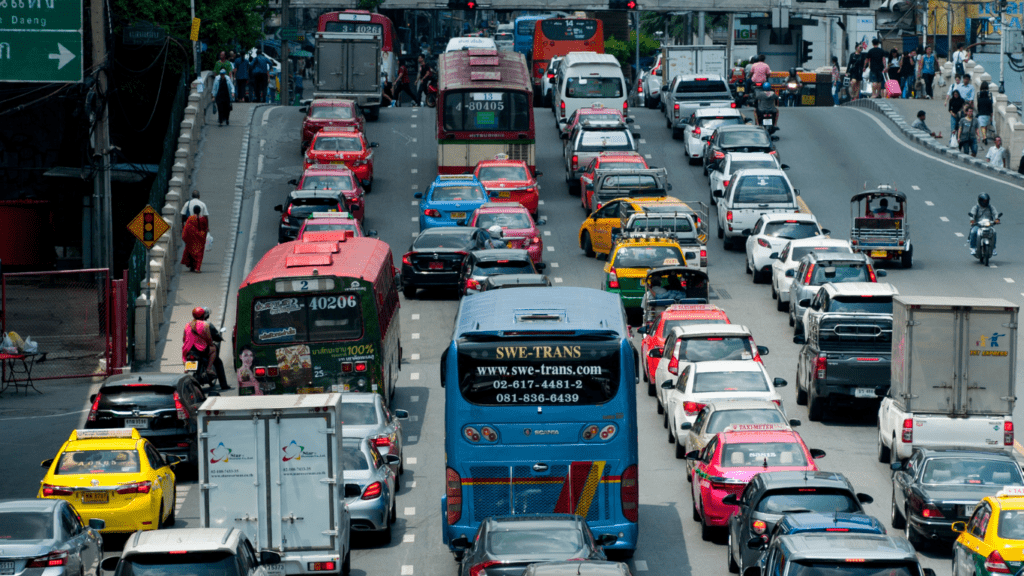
x=470, y=5
x=631, y=4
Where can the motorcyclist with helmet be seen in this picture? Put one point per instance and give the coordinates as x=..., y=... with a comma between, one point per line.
x=496, y=233
x=766, y=102
x=983, y=210
x=200, y=335
x=793, y=87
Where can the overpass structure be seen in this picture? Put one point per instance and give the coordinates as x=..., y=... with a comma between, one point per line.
x=817, y=8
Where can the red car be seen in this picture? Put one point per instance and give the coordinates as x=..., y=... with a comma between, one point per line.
x=330, y=226
x=335, y=177
x=606, y=161
x=330, y=113
x=509, y=181
x=344, y=147
x=518, y=228
x=732, y=458
x=675, y=315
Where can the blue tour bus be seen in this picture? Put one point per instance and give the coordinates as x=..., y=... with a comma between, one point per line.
x=522, y=33
x=540, y=412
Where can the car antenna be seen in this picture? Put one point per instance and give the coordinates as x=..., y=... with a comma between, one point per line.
x=835, y=516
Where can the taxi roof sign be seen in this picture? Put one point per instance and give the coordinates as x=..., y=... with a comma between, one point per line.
x=1011, y=492
x=501, y=156
x=105, y=433
x=756, y=428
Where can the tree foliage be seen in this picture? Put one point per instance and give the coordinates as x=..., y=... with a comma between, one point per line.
x=625, y=52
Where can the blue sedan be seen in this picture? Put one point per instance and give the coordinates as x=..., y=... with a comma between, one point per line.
x=450, y=200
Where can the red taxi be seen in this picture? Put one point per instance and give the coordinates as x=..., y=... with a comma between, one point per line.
x=607, y=161
x=732, y=458
x=330, y=227
x=335, y=177
x=675, y=315
x=518, y=228
x=344, y=147
x=509, y=181
x=595, y=110
x=330, y=113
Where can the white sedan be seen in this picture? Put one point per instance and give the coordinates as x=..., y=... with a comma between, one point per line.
x=723, y=169
x=702, y=125
x=789, y=259
x=701, y=383
x=769, y=236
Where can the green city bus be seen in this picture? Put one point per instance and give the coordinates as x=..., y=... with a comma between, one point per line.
x=319, y=317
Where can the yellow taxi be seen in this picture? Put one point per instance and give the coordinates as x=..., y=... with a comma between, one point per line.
x=991, y=542
x=114, y=475
x=596, y=231
x=630, y=260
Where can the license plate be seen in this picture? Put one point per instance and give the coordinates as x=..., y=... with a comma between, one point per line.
x=458, y=215
x=740, y=90
x=878, y=253
x=274, y=569
x=191, y=365
x=767, y=122
x=95, y=497
x=504, y=194
x=436, y=266
x=967, y=509
x=337, y=161
x=864, y=393
x=137, y=423
x=6, y=567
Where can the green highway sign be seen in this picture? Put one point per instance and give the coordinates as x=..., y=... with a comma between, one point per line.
x=40, y=56
x=41, y=15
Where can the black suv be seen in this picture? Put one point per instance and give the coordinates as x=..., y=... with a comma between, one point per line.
x=771, y=495
x=743, y=138
x=162, y=407
x=850, y=554
x=300, y=204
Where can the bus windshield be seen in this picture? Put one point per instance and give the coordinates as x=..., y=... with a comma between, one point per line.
x=498, y=111
x=311, y=318
x=556, y=372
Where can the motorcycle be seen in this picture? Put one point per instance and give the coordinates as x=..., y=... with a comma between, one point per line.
x=986, y=241
x=196, y=365
x=769, y=121
x=791, y=94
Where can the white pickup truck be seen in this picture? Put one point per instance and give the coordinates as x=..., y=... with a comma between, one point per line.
x=952, y=376
x=750, y=194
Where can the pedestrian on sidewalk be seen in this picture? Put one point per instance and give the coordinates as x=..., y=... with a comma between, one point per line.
x=893, y=65
x=956, y=105
x=246, y=376
x=920, y=125
x=223, y=94
x=186, y=210
x=259, y=72
x=836, y=81
x=194, y=234
x=241, y=78
x=960, y=58
x=855, y=70
x=953, y=87
x=927, y=70
x=222, y=63
x=907, y=73
x=967, y=135
x=998, y=155
x=966, y=89
x=984, y=111
x=876, y=63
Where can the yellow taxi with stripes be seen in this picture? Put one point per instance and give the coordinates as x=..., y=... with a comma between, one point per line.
x=991, y=542
x=630, y=259
x=597, y=231
x=114, y=475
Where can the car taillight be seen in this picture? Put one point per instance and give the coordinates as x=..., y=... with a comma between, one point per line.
x=725, y=184
x=406, y=260
x=453, y=493
x=625, y=107
x=372, y=491
x=613, y=279
x=820, y=367
x=432, y=213
x=763, y=243
x=758, y=526
x=673, y=365
x=728, y=216
x=284, y=218
x=535, y=240
x=551, y=76
x=995, y=563
x=676, y=107
x=692, y=408
x=871, y=274
x=180, y=408
x=696, y=131
x=774, y=152
x=908, y=431
x=57, y=558
x=51, y=490
x=562, y=106
x=778, y=403
x=321, y=566
x=95, y=408
x=598, y=207
x=135, y=488
x=629, y=493
x=732, y=105
x=575, y=162
x=719, y=155
x=931, y=511
x=478, y=569
x=1008, y=433
x=703, y=258
x=472, y=284
x=807, y=277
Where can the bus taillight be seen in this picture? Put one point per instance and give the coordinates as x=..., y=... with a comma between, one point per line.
x=629, y=493
x=453, y=491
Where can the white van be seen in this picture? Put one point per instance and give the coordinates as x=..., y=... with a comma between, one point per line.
x=470, y=43
x=585, y=78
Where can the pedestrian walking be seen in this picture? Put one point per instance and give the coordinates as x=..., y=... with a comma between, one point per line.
x=836, y=83
x=953, y=87
x=222, y=63
x=426, y=77
x=260, y=75
x=893, y=65
x=855, y=70
x=907, y=74
x=242, y=79
x=928, y=70
x=956, y=104
x=967, y=133
x=966, y=89
x=186, y=210
x=959, y=59
x=402, y=86
x=984, y=111
x=876, y=64
x=997, y=154
x=194, y=235
x=223, y=94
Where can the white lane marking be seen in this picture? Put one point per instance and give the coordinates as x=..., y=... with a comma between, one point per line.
x=410, y=460
x=648, y=156
x=414, y=155
x=642, y=141
x=414, y=170
x=415, y=234
x=415, y=316
x=1009, y=280
x=558, y=280
x=47, y=416
x=959, y=234
x=415, y=335
x=414, y=418
x=259, y=166
x=406, y=569
x=414, y=376
x=412, y=116
x=415, y=202
x=250, y=250
x=554, y=264
x=409, y=538
x=410, y=511
x=935, y=158
x=551, y=248
x=414, y=357
x=412, y=125
x=915, y=187
x=540, y=202
x=412, y=484
x=547, y=232
x=415, y=186
x=412, y=438
x=414, y=218
x=993, y=266
x=414, y=398
x=641, y=565
x=636, y=127
x=413, y=139
x=943, y=218
x=929, y=203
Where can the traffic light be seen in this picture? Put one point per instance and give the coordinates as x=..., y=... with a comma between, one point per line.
x=462, y=4
x=623, y=5
x=148, y=232
x=805, y=51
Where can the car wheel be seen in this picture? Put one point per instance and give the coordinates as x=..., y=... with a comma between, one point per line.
x=721, y=233
x=775, y=295
x=346, y=566
x=815, y=406
x=782, y=305
x=734, y=568
x=883, y=451
x=172, y=517
x=664, y=421
x=746, y=266
x=726, y=242
x=896, y=518
x=759, y=276
x=668, y=123
x=693, y=499
x=680, y=450
x=384, y=536
x=893, y=454
x=792, y=322
x=675, y=133
x=160, y=517
x=907, y=259
x=707, y=533
x=910, y=534
x=801, y=394
x=394, y=510
x=587, y=245
x=661, y=409
x=409, y=292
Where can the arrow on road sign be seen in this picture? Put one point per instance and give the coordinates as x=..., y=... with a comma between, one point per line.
x=63, y=56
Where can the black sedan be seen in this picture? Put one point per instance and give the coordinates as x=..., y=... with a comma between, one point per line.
x=742, y=138
x=301, y=203
x=935, y=488
x=506, y=545
x=484, y=264
x=436, y=257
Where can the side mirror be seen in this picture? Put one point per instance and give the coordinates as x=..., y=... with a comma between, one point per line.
x=864, y=498
x=755, y=543
x=542, y=221
x=418, y=195
x=268, y=557
x=731, y=500
x=686, y=426
x=392, y=459
x=109, y=563
x=774, y=256
x=667, y=385
x=371, y=233
x=799, y=339
x=401, y=414
x=538, y=174
x=606, y=539
x=779, y=383
x=636, y=135
x=353, y=490
x=929, y=572
x=784, y=166
x=804, y=303
x=668, y=186
x=817, y=453
x=460, y=542
x=794, y=422
x=97, y=523
x=293, y=182
x=46, y=463
x=92, y=398
x=694, y=455
x=641, y=330
x=881, y=273
x=655, y=352
x=796, y=191
x=374, y=144
x=540, y=266
x=790, y=273
x=957, y=527
x=303, y=109
x=762, y=350
x=279, y=208
x=718, y=193
x=896, y=466
x=826, y=231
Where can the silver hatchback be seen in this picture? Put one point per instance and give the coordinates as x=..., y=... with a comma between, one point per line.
x=370, y=488
x=364, y=415
x=47, y=537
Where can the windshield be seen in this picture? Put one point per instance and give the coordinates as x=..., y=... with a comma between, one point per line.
x=179, y=564
x=730, y=382
x=593, y=87
x=517, y=173
x=340, y=144
x=740, y=138
x=605, y=140
x=765, y=454
x=496, y=267
x=136, y=398
x=764, y=189
x=568, y=29
x=456, y=193
x=710, y=349
x=791, y=229
x=98, y=462
x=844, y=272
x=807, y=500
x=966, y=471
x=331, y=112
x=858, y=568
x=557, y=372
x=720, y=419
x=503, y=37
x=329, y=227
x=869, y=305
x=647, y=257
x=713, y=123
x=314, y=318
x=535, y=542
x=353, y=458
x=358, y=413
x=498, y=111
x=802, y=251
x=513, y=220
x=425, y=241
x=15, y=526
x=327, y=183
x=738, y=165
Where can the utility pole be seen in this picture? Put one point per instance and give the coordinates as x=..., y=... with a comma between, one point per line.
x=700, y=28
x=285, y=75
x=103, y=251
x=636, y=75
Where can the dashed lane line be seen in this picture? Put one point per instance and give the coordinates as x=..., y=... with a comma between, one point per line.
x=414, y=398
x=415, y=316
x=414, y=376
x=943, y=218
x=1009, y=280
x=415, y=335
x=414, y=357
x=641, y=565
x=410, y=511
x=554, y=264
x=929, y=203
x=406, y=569
x=547, y=232
x=551, y=248
x=959, y=234
x=915, y=187
x=408, y=538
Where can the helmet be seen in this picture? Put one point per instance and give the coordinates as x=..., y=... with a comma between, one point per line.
x=766, y=85
x=792, y=71
x=983, y=200
x=200, y=313
x=494, y=231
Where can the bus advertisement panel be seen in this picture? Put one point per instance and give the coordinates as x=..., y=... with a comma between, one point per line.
x=558, y=37
x=484, y=108
x=318, y=317
x=540, y=413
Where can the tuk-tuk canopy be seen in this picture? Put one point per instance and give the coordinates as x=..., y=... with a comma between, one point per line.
x=880, y=193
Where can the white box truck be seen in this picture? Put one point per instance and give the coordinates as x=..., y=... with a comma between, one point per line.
x=680, y=60
x=272, y=468
x=952, y=378
x=348, y=65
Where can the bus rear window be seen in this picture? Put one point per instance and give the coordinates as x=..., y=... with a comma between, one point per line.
x=498, y=111
x=313, y=318
x=559, y=372
x=593, y=87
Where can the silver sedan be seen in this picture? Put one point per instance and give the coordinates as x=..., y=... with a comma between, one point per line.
x=48, y=536
x=370, y=488
x=364, y=415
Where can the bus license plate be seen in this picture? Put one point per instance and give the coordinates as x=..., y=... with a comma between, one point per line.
x=191, y=365
x=436, y=266
x=137, y=423
x=504, y=194
x=878, y=253
x=6, y=568
x=458, y=215
x=95, y=497
x=864, y=393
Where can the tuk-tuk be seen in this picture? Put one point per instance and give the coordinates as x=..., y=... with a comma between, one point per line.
x=670, y=285
x=879, y=226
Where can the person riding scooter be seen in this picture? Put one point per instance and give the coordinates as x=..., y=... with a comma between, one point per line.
x=766, y=102
x=202, y=337
x=983, y=210
x=793, y=87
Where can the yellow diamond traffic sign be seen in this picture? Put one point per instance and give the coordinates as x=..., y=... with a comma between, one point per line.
x=148, y=226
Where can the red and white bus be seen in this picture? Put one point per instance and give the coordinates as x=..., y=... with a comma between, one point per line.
x=365, y=22
x=559, y=36
x=484, y=108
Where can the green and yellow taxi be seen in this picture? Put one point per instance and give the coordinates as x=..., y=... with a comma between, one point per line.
x=596, y=232
x=991, y=542
x=630, y=260
x=114, y=475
